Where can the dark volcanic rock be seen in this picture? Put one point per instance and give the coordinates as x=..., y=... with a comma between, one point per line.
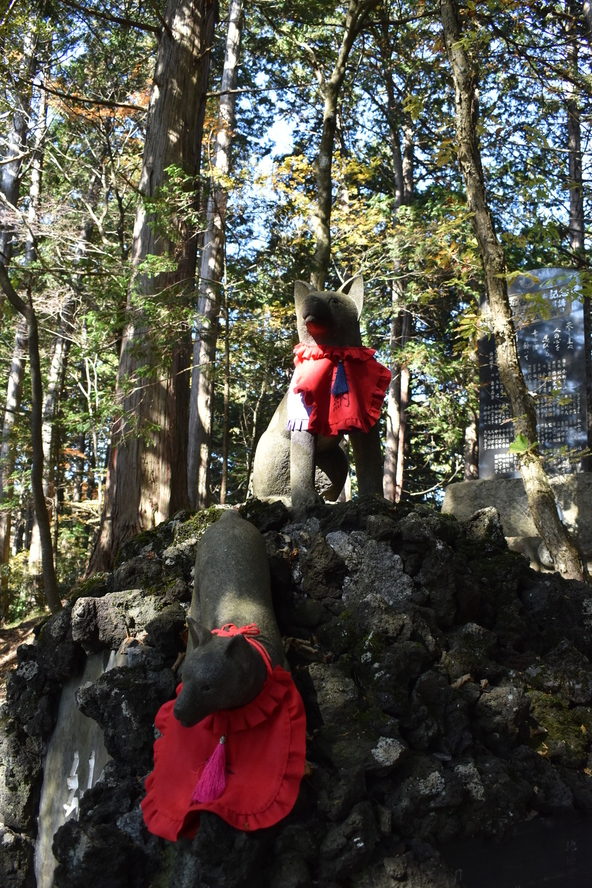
x=448, y=692
x=123, y=701
x=108, y=846
x=16, y=860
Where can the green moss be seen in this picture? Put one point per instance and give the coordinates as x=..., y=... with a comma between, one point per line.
x=92, y=587
x=196, y=524
x=167, y=858
x=563, y=734
x=155, y=539
x=340, y=635
x=166, y=588
x=371, y=646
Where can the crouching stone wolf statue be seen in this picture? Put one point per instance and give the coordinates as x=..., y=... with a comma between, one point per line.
x=232, y=587
x=337, y=387
x=234, y=741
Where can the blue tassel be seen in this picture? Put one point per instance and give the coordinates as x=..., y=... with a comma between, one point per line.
x=340, y=386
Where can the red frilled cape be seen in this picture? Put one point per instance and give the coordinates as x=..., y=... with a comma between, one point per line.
x=335, y=390
x=265, y=750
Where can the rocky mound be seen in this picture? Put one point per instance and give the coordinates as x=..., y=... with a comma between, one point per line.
x=447, y=689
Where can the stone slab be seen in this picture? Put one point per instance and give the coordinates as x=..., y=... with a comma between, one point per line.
x=573, y=494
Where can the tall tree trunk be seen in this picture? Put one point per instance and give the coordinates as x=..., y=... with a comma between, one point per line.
x=574, y=140
x=148, y=477
x=397, y=401
x=60, y=347
x=8, y=454
x=226, y=408
x=29, y=131
x=355, y=18
x=10, y=169
x=539, y=493
x=10, y=177
x=50, y=432
x=576, y=195
x=50, y=586
x=210, y=275
x=471, y=450
x=10, y=174
x=61, y=344
x=587, y=7
x=402, y=155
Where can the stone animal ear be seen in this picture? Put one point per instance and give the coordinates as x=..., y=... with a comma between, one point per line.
x=198, y=633
x=301, y=291
x=355, y=291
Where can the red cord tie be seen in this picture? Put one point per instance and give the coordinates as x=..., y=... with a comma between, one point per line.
x=230, y=629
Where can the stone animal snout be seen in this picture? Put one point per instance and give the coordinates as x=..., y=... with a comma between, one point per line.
x=219, y=673
x=329, y=318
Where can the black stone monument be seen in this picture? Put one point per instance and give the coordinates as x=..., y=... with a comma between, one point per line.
x=548, y=308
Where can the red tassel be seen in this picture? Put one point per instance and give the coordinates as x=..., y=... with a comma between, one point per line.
x=212, y=781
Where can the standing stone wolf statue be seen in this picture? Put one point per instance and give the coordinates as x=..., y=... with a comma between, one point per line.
x=338, y=387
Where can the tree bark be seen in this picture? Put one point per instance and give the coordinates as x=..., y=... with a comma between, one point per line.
x=587, y=8
x=10, y=174
x=148, y=476
x=30, y=127
x=61, y=344
x=397, y=403
x=50, y=433
x=211, y=274
x=8, y=455
x=577, y=221
x=574, y=142
x=539, y=493
x=10, y=169
x=26, y=309
x=471, y=451
x=402, y=154
x=356, y=16
x=226, y=408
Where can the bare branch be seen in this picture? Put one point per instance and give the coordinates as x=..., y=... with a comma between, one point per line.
x=116, y=19
x=14, y=157
x=83, y=100
x=11, y=294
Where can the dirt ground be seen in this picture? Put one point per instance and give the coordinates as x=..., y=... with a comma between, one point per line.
x=10, y=639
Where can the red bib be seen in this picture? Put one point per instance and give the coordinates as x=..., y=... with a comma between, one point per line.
x=335, y=390
x=265, y=755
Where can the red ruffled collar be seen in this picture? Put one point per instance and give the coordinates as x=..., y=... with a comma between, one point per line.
x=335, y=389
x=333, y=352
x=265, y=745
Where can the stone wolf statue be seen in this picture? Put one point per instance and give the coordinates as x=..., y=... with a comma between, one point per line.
x=338, y=387
x=232, y=586
x=234, y=740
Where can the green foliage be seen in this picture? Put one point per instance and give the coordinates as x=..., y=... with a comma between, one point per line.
x=21, y=596
x=416, y=250
x=170, y=209
x=521, y=445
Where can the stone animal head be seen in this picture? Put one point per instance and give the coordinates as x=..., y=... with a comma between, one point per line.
x=218, y=673
x=330, y=317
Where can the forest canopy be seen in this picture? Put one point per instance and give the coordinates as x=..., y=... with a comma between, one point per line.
x=168, y=171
